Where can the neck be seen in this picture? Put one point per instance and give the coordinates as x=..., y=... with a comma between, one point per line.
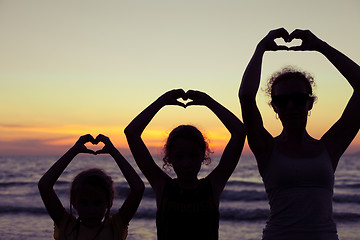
x=187, y=183
x=296, y=136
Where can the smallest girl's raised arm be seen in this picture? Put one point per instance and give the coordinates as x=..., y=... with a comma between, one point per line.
x=137, y=187
x=46, y=184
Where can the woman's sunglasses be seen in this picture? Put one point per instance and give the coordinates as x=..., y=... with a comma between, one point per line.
x=298, y=99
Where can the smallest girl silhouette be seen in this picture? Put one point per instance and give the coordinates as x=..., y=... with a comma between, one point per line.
x=91, y=195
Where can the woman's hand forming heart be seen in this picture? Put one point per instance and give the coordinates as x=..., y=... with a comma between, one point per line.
x=309, y=40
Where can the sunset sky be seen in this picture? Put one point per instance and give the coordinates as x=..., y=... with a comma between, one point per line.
x=68, y=68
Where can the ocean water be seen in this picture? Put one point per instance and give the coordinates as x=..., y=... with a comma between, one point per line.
x=243, y=207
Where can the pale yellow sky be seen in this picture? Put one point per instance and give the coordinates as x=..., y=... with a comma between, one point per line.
x=72, y=67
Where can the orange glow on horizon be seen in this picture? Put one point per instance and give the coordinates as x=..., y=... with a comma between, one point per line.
x=48, y=140
x=41, y=140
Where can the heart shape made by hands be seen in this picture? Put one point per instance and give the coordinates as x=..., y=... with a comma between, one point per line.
x=290, y=43
x=95, y=145
x=184, y=100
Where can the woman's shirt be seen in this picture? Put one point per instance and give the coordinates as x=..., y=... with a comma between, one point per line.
x=300, y=192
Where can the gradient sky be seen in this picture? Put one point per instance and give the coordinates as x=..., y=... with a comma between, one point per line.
x=68, y=68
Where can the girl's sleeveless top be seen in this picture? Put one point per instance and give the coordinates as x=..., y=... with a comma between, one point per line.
x=300, y=192
x=187, y=214
x=69, y=229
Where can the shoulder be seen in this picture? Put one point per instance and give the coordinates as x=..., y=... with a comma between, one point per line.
x=65, y=226
x=118, y=225
x=205, y=184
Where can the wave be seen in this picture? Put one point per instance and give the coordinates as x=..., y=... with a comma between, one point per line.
x=27, y=190
x=244, y=183
x=244, y=214
x=244, y=195
x=120, y=185
x=15, y=184
x=228, y=214
x=20, y=209
x=344, y=198
x=354, y=185
x=227, y=195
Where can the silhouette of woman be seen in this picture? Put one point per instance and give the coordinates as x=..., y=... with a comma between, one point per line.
x=297, y=169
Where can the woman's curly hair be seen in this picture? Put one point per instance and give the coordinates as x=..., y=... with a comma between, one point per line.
x=288, y=73
x=186, y=132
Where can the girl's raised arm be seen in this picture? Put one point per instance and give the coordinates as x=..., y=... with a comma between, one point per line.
x=141, y=154
x=132, y=201
x=46, y=184
x=231, y=155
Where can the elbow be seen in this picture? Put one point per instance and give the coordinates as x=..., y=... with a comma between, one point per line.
x=132, y=134
x=239, y=133
x=128, y=131
x=244, y=96
x=43, y=185
x=140, y=187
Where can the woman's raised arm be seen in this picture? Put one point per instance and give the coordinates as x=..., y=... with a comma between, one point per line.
x=341, y=134
x=259, y=139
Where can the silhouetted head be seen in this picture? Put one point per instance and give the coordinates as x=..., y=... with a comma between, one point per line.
x=92, y=195
x=186, y=140
x=289, y=73
x=291, y=93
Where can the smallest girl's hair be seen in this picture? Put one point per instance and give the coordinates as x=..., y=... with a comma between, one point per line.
x=187, y=132
x=93, y=177
x=290, y=73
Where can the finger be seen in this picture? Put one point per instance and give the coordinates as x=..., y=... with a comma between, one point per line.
x=101, y=151
x=88, y=151
x=177, y=103
x=281, y=47
x=102, y=138
x=297, y=48
x=193, y=94
x=99, y=137
x=180, y=93
x=283, y=33
x=85, y=138
x=279, y=33
x=95, y=140
x=192, y=103
x=298, y=34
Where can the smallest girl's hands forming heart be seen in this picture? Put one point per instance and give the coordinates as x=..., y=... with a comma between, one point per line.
x=80, y=144
x=108, y=146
